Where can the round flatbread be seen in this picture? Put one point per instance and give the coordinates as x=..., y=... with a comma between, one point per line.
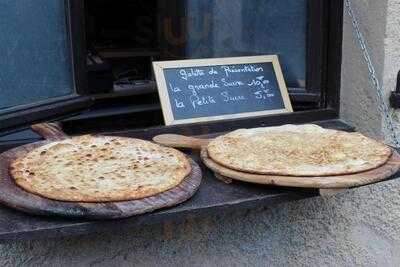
x=100, y=169
x=306, y=150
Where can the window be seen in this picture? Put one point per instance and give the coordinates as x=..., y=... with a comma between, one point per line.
x=35, y=51
x=126, y=36
x=99, y=53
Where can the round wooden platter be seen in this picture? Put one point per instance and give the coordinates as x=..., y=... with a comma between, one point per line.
x=15, y=197
x=323, y=182
x=320, y=182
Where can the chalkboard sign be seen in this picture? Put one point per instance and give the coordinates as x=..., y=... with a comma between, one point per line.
x=222, y=88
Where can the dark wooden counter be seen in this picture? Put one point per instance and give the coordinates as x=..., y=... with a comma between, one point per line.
x=212, y=197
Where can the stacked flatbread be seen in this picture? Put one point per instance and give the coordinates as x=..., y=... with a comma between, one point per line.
x=290, y=150
x=100, y=169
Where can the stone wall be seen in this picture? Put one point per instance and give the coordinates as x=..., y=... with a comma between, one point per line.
x=359, y=227
x=358, y=99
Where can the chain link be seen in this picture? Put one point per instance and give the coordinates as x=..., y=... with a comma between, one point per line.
x=382, y=106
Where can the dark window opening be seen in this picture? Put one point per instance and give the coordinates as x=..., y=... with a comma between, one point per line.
x=123, y=39
x=126, y=36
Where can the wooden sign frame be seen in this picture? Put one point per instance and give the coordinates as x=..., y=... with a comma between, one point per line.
x=159, y=67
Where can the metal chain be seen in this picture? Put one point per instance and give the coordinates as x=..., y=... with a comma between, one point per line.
x=382, y=106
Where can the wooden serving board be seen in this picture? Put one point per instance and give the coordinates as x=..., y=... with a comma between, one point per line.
x=15, y=197
x=323, y=182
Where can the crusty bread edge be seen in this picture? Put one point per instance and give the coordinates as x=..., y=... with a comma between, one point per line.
x=389, y=153
x=134, y=195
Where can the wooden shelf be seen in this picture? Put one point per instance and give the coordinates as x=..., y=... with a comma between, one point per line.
x=126, y=53
x=114, y=111
x=213, y=197
x=142, y=89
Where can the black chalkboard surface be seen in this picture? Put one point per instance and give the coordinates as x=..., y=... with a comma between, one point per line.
x=224, y=88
